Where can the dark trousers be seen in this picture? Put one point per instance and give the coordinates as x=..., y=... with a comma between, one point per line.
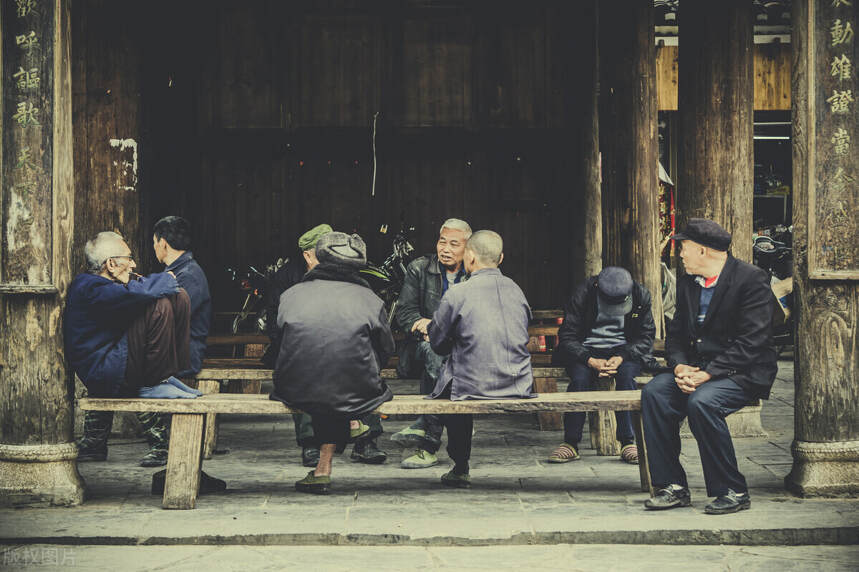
x=159, y=342
x=582, y=378
x=328, y=429
x=663, y=407
x=304, y=434
x=459, y=429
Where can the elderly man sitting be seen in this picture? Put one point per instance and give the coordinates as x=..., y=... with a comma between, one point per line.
x=127, y=335
x=335, y=341
x=483, y=325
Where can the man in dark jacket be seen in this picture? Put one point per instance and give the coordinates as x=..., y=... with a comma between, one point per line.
x=126, y=335
x=427, y=279
x=366, y=449
x=607, y=331
x=720, y=347
x=171, y=241
x=336, y=340
x=482, y=325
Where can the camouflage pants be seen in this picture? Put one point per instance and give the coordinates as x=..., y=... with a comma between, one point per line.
x=97, y=425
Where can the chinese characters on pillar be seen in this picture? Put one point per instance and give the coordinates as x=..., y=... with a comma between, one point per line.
x=27, y=131
x=833, y=226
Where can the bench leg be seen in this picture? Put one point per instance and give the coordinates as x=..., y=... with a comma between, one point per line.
x=643, y=463
x=245, y=386
x=210, y=437
x=548, y=421
x=183, y=461
x=603, y=426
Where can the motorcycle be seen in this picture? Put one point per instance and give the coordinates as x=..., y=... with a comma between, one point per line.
x=776, y=258
x=254, y=284
x=386, y=279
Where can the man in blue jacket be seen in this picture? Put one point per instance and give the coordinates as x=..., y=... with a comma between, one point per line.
x=172, y=240
x=125, y=335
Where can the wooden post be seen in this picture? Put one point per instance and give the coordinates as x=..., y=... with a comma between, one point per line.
x=588, y=104
x=627, y=118
x=716, y=94
x=37, y=456
x=826, y=247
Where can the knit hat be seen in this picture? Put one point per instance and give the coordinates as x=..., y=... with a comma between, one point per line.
x=309, y=239
x=342, y=249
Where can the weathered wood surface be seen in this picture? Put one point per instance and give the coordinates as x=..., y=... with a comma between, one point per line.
x=827, y=313
x=210, y=433
x=253, y=374
x=405, y=404
x=628, y=141
x=716, y=161
x=772, y=76
x=183, y=461
x=603, y=426
x=548, y=421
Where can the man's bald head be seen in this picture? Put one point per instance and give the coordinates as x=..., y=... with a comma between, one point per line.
x=486, y=247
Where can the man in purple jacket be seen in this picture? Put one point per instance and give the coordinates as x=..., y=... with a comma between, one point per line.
x=126, y=335
x=483, y=325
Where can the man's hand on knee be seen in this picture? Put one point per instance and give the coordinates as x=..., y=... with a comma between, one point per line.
x=596, y=364
x=610, y=366
x=688, y=381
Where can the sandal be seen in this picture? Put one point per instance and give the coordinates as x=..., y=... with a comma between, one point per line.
x=564, y=454
x=629, y=454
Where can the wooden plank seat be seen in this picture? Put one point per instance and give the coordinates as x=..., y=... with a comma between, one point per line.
x=185, y=456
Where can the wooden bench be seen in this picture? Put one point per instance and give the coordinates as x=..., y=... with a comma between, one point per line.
x=185, y=457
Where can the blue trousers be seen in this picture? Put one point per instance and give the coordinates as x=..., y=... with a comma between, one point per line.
x=663, y=407
x=582, y=379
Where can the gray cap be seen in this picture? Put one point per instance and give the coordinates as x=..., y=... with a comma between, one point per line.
x=343, y=249
x=614, y=285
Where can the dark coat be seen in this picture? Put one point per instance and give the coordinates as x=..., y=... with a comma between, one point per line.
x=483, y=325
x=335, y=342
x=422, y=291
x=192, y=278
x=735, y=339
x=98, y=313
x=580, y=315
x=285, y=278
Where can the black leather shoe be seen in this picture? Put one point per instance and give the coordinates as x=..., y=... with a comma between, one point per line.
x=366, y=451
x=94, y=454
x=672, y=496
x=154, y=458
x=207, y=484
x=309, y=456
x=728, y=503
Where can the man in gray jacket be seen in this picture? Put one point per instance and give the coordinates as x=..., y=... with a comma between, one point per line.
x=427, y=279
x=483, y=326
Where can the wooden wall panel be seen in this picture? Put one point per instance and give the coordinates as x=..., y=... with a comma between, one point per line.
x=771, y=76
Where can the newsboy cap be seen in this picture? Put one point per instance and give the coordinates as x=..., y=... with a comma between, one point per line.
x=614, y=285
x=309, y=239
x=705, y=232
x=343, y=249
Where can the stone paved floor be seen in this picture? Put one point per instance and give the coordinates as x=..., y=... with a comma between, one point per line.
x=517, y=500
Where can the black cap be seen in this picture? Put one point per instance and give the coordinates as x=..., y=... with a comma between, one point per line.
x=705, y=232
x=615, y=291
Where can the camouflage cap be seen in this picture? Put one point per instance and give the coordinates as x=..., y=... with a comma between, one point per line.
x=308, y=240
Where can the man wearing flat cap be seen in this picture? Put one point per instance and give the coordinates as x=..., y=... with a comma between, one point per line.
x=721, y=350
x=365, y=449
x=335, y=341
x=607, y=331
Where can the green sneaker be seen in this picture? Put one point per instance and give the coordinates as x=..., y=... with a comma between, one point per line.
x=313, y=484
x=361, y=429
x=451, y=479
x=419, y=460
x=408, y=437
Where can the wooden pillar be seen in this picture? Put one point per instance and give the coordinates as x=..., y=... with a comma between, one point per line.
x=826, y=247
x=590, y=136
x=716, y=97
x=37, y=456
x=628, y=142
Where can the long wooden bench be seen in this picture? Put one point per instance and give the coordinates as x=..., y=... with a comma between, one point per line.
x=185, y=455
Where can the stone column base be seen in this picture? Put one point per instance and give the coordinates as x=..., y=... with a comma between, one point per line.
x=40, y=475
x=824, y=469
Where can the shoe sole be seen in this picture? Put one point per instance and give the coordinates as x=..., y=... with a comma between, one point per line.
x=404, y=465
x=558, y=461
x=680, y=504
x=738, y=508
x=369, y=460
x=153, y=463
x=313, y=489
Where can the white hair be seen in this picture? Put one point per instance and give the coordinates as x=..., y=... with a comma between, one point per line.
x=456, y=224
x=99, y=249
x=487, y=246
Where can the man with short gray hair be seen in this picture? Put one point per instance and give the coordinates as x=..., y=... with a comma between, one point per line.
x=483, y=326
x=427, y=279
